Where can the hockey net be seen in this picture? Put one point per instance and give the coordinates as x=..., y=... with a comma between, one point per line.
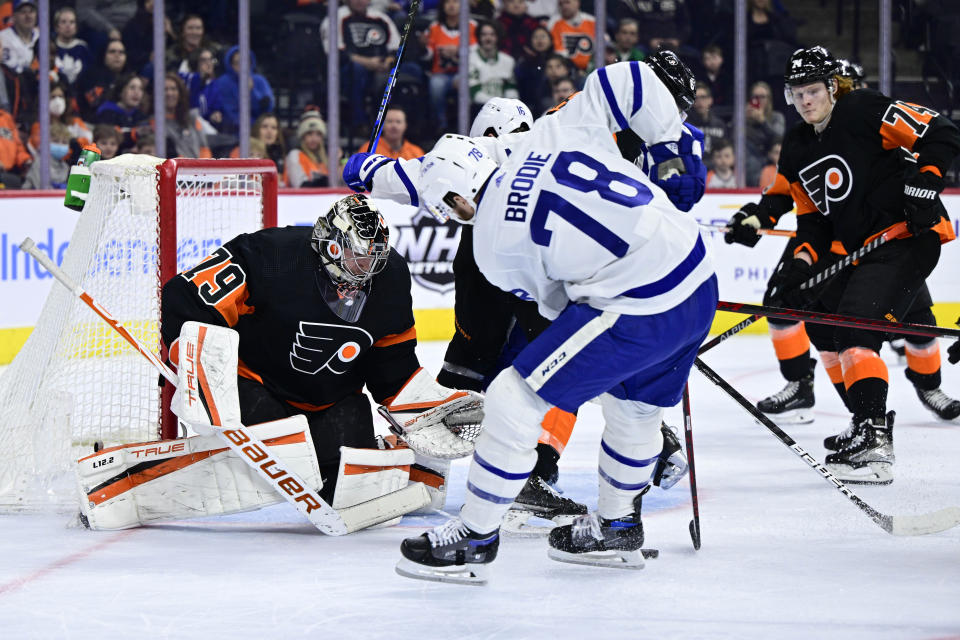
x=76, y=383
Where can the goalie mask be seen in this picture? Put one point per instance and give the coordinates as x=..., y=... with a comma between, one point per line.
x=352, y=242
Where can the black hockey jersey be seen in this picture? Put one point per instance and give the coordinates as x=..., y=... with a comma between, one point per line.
x=265, y=285
x=847, y=181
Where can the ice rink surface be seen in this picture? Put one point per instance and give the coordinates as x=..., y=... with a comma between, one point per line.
x=784, y=554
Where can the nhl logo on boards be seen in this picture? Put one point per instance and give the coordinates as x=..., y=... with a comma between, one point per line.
x=827, y=180
x=429, y=247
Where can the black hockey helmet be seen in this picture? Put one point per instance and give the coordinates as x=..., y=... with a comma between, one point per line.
x=810, y=65
x=675, y=75
x=853, y=71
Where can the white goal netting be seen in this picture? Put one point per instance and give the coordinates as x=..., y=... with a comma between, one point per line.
x=76, y=382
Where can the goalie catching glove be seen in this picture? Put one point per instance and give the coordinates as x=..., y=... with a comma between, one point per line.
x=433, y=420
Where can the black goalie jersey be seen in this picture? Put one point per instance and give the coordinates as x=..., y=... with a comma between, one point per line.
x=265, y=285
x=847, y=182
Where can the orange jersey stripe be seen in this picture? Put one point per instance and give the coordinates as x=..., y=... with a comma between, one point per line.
x=802, y=200
x=859, y=364
x=790, y=342
x=397, y=338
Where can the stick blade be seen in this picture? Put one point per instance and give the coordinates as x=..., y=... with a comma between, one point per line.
x=925, y=524
x=695, y=535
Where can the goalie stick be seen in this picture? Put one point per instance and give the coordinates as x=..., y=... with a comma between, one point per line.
x=898, y=525
x=253, y=451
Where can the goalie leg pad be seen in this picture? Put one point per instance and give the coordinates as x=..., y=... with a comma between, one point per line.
x=131, y=485
x=432, y=472
x=366, y=474
x=207, y=368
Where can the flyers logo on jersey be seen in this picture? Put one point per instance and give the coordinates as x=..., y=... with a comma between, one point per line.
x=318, y=346
x=827, y=180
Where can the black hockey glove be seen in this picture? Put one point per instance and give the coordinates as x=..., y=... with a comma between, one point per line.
x=920, y=203
x=953, y=353
x=784, y=290
x=744, y=224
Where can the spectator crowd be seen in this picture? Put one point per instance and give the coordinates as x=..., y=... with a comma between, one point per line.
x=539, y=51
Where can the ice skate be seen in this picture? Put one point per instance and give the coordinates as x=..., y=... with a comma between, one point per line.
x=672, y=463
x=939, y=403
x=538, y=499
x=451, y=552
x=791, y=405
x=597, y=541
x=866, y=455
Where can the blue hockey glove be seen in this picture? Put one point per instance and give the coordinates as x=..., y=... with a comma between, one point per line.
x=360, y=167
x=678, y=169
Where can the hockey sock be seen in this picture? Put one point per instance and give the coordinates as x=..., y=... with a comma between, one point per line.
x=831, y=362
x=923, y=364
x=792, y=346
x=629, y=451
x=865, y=378
x=505, y=452
x=557, y=428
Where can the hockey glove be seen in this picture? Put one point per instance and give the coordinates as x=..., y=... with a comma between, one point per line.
x=678, y=169
x=784, y=290
x=359, y=169
x=744, y=225
x=953, y=353
x=920, y=202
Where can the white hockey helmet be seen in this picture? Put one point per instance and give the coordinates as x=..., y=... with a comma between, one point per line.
x=500, y=116
x=455, y=166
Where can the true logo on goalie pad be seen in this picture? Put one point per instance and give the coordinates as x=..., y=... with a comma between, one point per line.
x=318, y=346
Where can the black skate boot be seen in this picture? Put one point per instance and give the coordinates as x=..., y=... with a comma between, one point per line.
x=942, y=405
x=597, y=541
x=450, y=552
x=538, y=499
x=672, y=464
x=866, y=456
x=791, y=405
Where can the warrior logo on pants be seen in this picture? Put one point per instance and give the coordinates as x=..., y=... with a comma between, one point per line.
x=827, y=180
x=319, y=346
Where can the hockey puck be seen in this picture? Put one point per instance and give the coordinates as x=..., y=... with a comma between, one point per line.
x=97, y=446
x=650, y=553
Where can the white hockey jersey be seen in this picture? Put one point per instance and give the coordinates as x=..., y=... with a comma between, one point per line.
x=566, y=218
x=619, y=96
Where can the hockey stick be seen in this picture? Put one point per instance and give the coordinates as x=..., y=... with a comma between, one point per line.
x=735, y=329
x=388, y=90
x=722, y=228
x=688, y=440
x=834, y=319
x=917, y=525
x=252, y=450
x=894, y=232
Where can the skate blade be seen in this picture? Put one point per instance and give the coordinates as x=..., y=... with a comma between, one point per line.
x=872, y=473
x=614, y=559
x=471, y=574
x=793, y=416
x=516, y=524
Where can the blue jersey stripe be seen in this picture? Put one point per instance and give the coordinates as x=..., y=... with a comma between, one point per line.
x=672, y=279
x=637, y=87
x=485, y=495
x=622, y=459
x=621, y=485
x=611, y=99
x=405, y=179
x=497, y=471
